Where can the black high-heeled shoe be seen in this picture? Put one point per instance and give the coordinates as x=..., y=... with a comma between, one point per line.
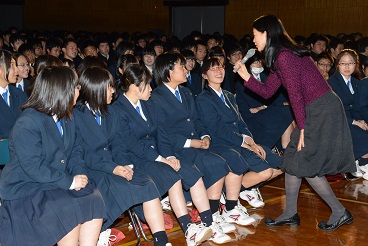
x=345, y=219
x=292, y=221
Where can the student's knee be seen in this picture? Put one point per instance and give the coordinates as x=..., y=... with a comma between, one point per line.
x=266, y=174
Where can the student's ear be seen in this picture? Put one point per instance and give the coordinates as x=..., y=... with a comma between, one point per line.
x=204, y=76
x=120, y=70
x=63, y=50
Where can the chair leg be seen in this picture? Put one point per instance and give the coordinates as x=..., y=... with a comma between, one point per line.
x=134, y=225
x=137, y=226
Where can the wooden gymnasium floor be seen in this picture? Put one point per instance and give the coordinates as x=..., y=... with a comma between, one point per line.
x=312, y=209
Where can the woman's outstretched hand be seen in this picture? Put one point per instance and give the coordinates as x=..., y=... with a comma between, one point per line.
x=243, y=72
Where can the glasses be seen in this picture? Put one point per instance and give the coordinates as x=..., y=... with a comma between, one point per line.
x=326, y=65
x=23, y=65
x=347, y=64
x=216, y=68
x=78, y=87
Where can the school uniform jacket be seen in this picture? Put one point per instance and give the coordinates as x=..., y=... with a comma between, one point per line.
x=349, y=101
x=139, y=138
x=196, y=85
x=224, y=123
x=8, y=114
x=178, y=126
x=40, y=159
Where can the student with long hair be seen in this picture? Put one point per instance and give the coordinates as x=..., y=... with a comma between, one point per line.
x=316, y=107
x=46, y=193
x=121, y=185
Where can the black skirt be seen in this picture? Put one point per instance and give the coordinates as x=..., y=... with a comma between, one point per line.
x=44, y=218
x=328, y=144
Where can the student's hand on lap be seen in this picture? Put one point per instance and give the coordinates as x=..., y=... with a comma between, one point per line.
x=206, y=142
x=81, y=181
x=195, y=143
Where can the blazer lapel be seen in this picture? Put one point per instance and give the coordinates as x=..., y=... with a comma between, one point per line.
x=50, y=125
x=90, y=121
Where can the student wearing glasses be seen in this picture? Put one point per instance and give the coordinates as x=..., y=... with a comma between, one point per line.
x=346, y=85
x=324, y=62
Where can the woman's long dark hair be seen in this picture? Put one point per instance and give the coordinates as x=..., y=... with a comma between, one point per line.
x=277, y=38
x=94, y=82
x=53, y=92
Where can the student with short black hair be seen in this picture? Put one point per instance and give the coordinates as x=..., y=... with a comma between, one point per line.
x=16, y=40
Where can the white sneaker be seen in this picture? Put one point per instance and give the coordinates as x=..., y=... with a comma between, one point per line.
x=226, y=227
x=165, y=203
x=168, y=244
x=252, y=197
x=222, y=198
x=238, y=216
x=197, y=234
x=358, y=173
x=189, y=203
x=218, y=235
x=104, y=239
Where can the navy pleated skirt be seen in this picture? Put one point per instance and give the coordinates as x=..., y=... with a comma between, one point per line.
x=119, y=194
x=44, y=218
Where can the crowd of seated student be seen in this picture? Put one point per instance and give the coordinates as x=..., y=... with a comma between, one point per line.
x=113, y=53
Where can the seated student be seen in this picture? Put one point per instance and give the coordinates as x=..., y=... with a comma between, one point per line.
x=37, y=47
x=53, y=47
x=158, y=46
x=28, y=51
x=138, y=131
x=187, y=137
x=213, y=41
x=219, y=53
x=201, y=53
x=70, y=51
x=346, y=86
x=234, y=54
x=12, y=98
x=15, y=41
x=124, y=47
x=194, y=81
x=147, y=60
x=123, y=62
x=318, y=44
x=230, y=136
x=324, y=63
x=140, y=40
x=104, y=51
x=365, y=67
x=23, y=73
x=121, y=185
x=47, y=197
x=335, y=46
x=88, y=48
x=270, y=121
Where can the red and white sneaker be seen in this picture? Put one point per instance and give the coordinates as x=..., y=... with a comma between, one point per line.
x=197, y=234
x=253, y=197
x=226, y=227
x=238, y=216
x=218, y=236
x=109, y=237
x=165, y=203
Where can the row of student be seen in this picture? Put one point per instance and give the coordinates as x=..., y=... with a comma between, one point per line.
x=165, y=158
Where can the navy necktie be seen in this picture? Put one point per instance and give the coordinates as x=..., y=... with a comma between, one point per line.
x=98, y=119
x=138, y=110
x=20, y=87
x=5, y=96
x=58, y=124
x=177, y=94
x=222, y=97
x=189, y=78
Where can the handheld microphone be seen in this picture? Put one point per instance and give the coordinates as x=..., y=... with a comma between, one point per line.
x=249, y=54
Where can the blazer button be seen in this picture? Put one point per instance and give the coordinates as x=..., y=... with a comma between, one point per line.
x=234, y=123
x=152, y=146
x=192, y=134
x=351, y=106
x=188, y=119
x=105, y=149
x=147, y=136
x=62, y=161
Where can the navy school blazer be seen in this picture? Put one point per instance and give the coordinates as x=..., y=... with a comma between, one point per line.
x=134, y=135
x=40, y=159
x=225, y=124
x=349, y=101
x=8, y=114
x=179, y=121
